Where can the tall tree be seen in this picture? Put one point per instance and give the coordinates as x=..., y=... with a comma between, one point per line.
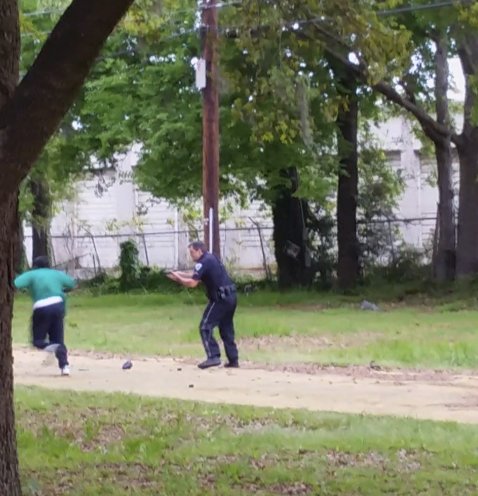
x=430, y=50
x=277, y=111
x=67, y=156
x=260, y=116
x=452, y=30
x=455, y=27
x=348, y=263
x=291, y=237
x=467, y=146
x=42, y=97
x=444, y=264
x=262, y=74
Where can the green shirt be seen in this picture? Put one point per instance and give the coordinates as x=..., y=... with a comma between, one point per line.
x=44, y=283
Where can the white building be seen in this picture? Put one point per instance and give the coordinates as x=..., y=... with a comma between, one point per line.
x=108, y=209
x=419, y=201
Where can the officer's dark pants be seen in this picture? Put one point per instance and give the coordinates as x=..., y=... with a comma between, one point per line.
x=48, y=322
x=219, y=314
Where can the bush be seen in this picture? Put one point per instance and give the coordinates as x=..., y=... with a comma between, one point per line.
x=407, y=266
x=129, y=266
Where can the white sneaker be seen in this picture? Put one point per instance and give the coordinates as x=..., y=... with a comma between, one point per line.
x=65, y=370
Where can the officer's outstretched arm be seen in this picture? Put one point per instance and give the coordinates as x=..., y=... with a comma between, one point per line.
x=188, y=282
x=188, y=273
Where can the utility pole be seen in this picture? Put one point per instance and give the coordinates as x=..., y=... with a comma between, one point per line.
x=210, y=122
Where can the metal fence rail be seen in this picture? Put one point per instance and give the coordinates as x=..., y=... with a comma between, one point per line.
x=248, y=248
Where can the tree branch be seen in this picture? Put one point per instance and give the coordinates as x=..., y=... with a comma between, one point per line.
x=434, y=130
x=338, y=49
x=335, y=47
x=431, y=127
x=51, y=85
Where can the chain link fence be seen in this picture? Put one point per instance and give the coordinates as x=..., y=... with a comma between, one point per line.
x=248, y=250
x=244, y=249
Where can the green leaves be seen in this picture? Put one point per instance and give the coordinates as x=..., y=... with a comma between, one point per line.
x=279, y=98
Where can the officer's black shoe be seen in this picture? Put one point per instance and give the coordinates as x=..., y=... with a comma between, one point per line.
x=210, y=362
x=232, y=365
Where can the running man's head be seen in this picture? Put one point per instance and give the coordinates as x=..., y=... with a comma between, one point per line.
x=197, y=249
x=41, y=262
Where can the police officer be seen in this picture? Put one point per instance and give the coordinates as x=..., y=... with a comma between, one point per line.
x=220, y=309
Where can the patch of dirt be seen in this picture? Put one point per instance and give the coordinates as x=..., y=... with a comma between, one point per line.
x=424, y=394
x=126, y=476
x=405, y=461
x=284, y=342
x=342, y=459
x=373, y=371
x=306, y=307
x=296, y=341
x=291, y=489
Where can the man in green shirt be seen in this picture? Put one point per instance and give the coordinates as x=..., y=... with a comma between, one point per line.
x=46, y=287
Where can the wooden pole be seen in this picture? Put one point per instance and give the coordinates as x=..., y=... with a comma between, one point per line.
x=210, y=120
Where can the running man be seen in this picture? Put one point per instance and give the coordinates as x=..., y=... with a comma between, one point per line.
x=46, y=287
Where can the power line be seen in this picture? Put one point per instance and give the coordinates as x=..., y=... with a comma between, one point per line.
x=290, y=25
x=429, y=6
x=295, y=24
x=202, y=6
x=220, y=5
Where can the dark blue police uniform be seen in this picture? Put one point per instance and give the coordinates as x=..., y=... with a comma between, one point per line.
x=219, y=311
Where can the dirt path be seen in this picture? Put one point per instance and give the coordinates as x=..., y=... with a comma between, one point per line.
x=424, y=395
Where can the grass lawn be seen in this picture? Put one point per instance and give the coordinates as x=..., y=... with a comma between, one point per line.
x=90, y=445
x=104, y=444
x=277, y=328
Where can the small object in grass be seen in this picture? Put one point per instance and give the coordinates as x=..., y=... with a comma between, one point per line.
x=127, y=365
x=249, y=288
x=375, y=366
x=367, y=305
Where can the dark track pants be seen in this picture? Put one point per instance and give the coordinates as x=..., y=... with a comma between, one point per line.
x=219, y=314
x=47, y=322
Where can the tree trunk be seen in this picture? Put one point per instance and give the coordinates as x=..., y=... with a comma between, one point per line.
x=9, y=476
x=291, y=236
x=348, y=268
x=29, y=114
x=445, y=260
x=444, y=263
x=9, y=66
x=52, y=83
x=20, y=261
x=41, y=215
x=467, y=246
x=467, y=147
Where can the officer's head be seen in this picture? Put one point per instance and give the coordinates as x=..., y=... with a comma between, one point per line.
x=41, y=262
x=197, y=249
